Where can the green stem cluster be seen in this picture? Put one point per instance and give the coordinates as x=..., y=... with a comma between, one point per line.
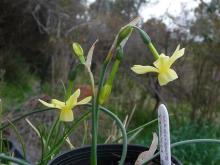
x=120, y=125
x=96, y=101
x=106, y=111
x=95, y=114
x=123, y=131
x=125, y=32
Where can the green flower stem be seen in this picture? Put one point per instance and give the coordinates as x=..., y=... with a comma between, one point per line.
x=144, y=36
x=94, y=120
x=123, y=131
x=1, y=136
x=142, y=126
x=95, y=103
x=94, y=133
x=95, y=106
x=186, y=142
x=95, y=116
x=113, y=72
x=146, y=39
x=15, y=160
x=153, y=50
x=195, y=141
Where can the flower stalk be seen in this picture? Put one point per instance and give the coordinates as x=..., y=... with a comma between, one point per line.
x=1, y=137
x=153, y=50
x=147, y=40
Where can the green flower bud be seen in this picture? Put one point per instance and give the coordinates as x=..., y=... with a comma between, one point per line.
x=146, y=39
x=120, y=53
x=79, y=52
x=124, y=33
x=104, y=94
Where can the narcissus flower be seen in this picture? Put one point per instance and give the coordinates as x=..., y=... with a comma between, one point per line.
x=66, y=113
x=162, y=67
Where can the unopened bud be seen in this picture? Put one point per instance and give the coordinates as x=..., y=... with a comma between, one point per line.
x=104, y=93
x=124, y=33
x=145, y=37
x=120, y=53
x=79, y=52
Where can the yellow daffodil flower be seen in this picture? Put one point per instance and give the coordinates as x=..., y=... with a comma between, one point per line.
x=66, y=113
x=162, y=67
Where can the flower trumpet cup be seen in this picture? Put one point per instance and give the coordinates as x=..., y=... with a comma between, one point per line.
x=66, y=113
x=162, y=66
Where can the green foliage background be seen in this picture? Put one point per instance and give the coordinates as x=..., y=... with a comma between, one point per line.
x=35, y=57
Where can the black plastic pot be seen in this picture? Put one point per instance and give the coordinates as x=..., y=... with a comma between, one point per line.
x=107, y=155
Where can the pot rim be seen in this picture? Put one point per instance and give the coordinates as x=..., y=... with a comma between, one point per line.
x=117, y=147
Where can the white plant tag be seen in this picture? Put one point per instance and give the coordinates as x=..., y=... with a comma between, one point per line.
x=164, y=135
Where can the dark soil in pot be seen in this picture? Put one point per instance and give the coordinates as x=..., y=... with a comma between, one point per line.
x=107, y=155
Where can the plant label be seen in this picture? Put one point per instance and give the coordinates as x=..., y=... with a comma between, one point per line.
x=164, y=135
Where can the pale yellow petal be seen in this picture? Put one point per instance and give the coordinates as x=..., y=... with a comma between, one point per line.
x=140, y=69
x=71, y=102
x=57, y=103
x=177, y=54
x=162, y=62
x=177, y=48
x=66, y=115
x=85, y=100
x=47, y=104
x=166, y=77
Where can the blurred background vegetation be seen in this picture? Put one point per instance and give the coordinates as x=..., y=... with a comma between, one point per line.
x=36, y=57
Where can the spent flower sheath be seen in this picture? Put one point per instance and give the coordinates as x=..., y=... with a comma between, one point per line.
x=66, y=113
